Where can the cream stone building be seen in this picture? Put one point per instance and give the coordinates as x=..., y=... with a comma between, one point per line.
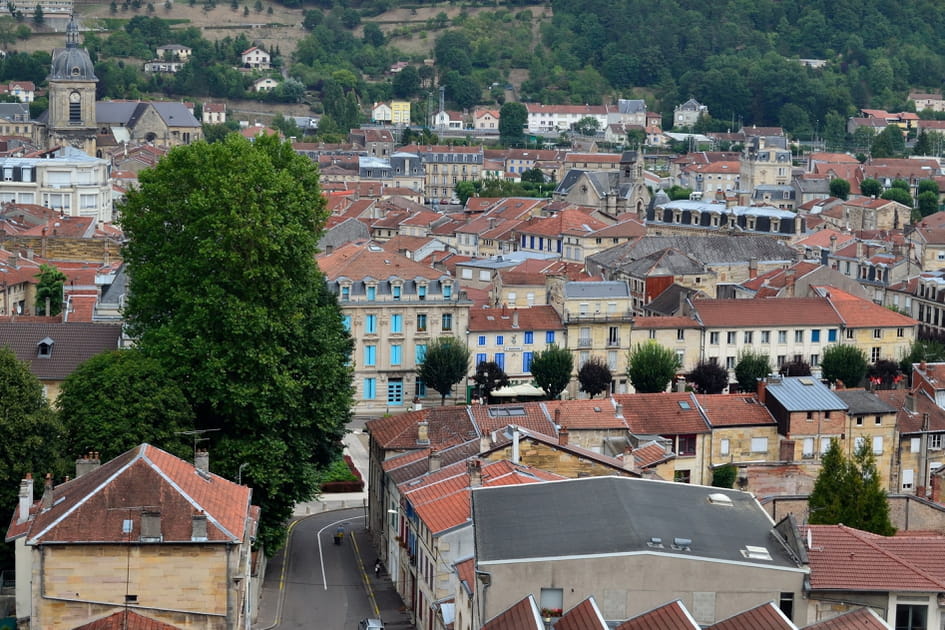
x=394, y=308
x=70, y=120
x=168, y=556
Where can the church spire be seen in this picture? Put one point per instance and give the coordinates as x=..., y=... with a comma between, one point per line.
x=72, y=33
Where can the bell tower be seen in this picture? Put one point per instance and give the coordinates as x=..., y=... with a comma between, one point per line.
x=71, y=116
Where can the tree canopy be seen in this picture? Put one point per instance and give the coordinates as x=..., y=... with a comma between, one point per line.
x=844, y=363
x=849, y=491
x=594, y=376
x=551, y=368
x=119, y=399
x=512, y=119
x=750, y=367
x=651, y=367
x=445, y=363
x=49, y=288
x=708, y=378
x=489, y=377
x=245, y=324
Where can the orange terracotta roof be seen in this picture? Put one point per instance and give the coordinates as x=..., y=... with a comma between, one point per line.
x=523, y=615
x=447, y=426
x=361, y=260
x=859, y=619
x=664, y=322
x=529, y=319
x=586, y=414
x=860, y=313
x=731, y=410
x=127, y=620
x=650, y=454
x=764, y=617
x=671, y=616
x=466, y=572
x=847, y=559
x=730, y=313
x=668, y=413
x=531, y=416
x=584, y=616
x=571, y=221
x=142, y=476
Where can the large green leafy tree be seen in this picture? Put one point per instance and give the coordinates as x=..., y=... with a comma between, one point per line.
x=551, y=368
x=512, y=119
x=844, y=363
x=651, y=367
x=445, y=363
x=29, y=437
x=49, y=287
x=226, y=295
x=119, y=399
x=848, y=491
x=708, y=377
x=750, y=367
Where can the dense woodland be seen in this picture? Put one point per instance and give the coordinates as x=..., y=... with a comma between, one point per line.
x=739, y=57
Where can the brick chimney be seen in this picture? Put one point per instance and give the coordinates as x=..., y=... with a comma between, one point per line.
x=474, y=469
x=423, y=433
x=563, y=436
x=48, y=498
x=629, y=462
x=752, y=268
x=198, y=526
x=762, y=388
x=202, y=460
x=87, y=463
x=434, y=461
x=789, y=280
x=26, y=498
x=558, y=416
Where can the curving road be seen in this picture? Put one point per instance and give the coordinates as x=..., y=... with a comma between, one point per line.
x=320, y=584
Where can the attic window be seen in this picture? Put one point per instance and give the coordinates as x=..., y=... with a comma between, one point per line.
x=44, y=348
x=684, y=404
x=806, y=381
x=756, y=553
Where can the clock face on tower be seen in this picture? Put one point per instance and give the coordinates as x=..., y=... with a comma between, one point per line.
x=75, y=97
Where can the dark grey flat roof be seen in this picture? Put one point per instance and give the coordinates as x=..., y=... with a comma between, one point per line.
x=860, y=401
x=619, y=515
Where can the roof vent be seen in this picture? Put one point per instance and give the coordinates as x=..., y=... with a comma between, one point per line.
x=756, y=553
x=806, y=380
x=720, y=498
x=655, y=542
x=682, y=544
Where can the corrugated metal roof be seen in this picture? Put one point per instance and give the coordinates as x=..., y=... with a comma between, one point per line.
x=804, y=393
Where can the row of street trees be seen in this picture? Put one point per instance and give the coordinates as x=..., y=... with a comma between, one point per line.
x=652, y=367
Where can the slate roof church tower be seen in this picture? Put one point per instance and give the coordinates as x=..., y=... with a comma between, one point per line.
x=71, y=116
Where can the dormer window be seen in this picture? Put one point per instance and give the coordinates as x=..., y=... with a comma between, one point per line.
x=346, y=292
x=395, y=291
x=44, y=348
x=422, y=292
x=447, y=291
x=371, y=293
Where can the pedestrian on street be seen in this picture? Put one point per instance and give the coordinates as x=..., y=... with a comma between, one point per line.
x=377, y=568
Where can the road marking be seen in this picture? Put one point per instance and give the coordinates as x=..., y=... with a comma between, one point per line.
x=364, y=576
x=285, y=565
x=318, y=536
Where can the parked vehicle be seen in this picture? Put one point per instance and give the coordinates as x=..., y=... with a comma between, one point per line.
x=371, y=624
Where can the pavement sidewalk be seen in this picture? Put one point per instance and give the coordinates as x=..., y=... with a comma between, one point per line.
x=380, y=588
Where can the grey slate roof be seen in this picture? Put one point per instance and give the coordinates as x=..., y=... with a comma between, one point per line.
x=619, y=515
x=123, y=113
x=804, y=393
x=607, y=289
x=73, y=343
x=861, y=402
x=175, y=114
x=669, y=261
x=667, y=303
x=707, y=249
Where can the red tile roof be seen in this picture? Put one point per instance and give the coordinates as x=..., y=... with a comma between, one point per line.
x=531, y=319
x=860, y=313
x=360, y=260
x=144, y=476
x=671, y=616
x=126, y=620
x=447, y=426
x=664, y=322
x=530, y=416
x=764, y=617
x=733, y=410
x=584, y=616
x=847, y=559
x=859, y=619
x=668, y=413
x=520, y=616
x=567, y=222
x=769, y=312
x=650, y=454
x=586, y=414
x=466, y=572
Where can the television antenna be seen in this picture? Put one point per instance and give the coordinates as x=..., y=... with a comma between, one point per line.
x=198, y=436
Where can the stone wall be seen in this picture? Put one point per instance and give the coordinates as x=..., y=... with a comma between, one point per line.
x=907, y=512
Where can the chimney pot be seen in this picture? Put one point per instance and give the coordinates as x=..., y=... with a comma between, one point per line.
x=26, y=498
x=563, y=436
x=423, y=432
x=86, y=464
x=48, y=492
x=202, y=460
x=474, y=468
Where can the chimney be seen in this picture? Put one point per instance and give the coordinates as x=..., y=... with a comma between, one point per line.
x=515, y=318
x=150, y=526
x=558, y=417
x=434, y=461
x=859, y=249
x=202, y=460
x=423, y=433
x=198, y=526
x=789, y=281
x=563, y=436
x=485, y=442
x=474, y=468
x=26, y=498
x=48, y=492
x=629, y=462
x=910, y=402
x=417, y=405
x=87, y=463
x=752, y=267
x=833, y=242
x=667, y=446
x=516, y=436
x=618, y=410
x=762, y=388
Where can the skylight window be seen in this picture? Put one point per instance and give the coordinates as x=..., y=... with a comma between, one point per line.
x=684, y=404
x=756, y=553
